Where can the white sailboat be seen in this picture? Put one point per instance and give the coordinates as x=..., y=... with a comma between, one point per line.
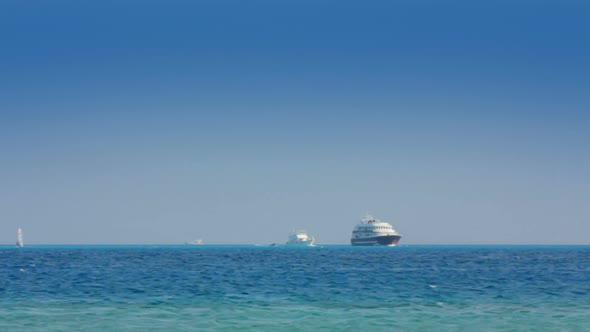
x=19, y=239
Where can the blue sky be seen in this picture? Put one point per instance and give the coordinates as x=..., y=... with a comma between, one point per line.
x=236, y=122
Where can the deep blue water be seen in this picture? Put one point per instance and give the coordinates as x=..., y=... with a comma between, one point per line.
x=187, y=288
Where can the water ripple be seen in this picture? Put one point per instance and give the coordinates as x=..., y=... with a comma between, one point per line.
x=329, y=288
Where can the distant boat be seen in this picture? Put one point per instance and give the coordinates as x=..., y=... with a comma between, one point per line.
x=195, y=242
x=300, y=238
x=374, y=232
x=19, y=238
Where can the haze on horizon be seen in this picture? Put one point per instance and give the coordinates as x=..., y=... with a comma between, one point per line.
x=460, y=122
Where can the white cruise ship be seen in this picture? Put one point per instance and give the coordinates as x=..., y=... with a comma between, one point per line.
x=374, y=232
x=300, y=238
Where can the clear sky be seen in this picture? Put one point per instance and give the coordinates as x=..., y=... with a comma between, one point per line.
x=460, y=122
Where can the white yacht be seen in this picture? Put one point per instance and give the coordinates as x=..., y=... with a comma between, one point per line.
x=300, y=238
x=195, y=242
x=374, y=232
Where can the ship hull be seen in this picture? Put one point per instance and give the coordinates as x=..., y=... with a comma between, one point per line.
x=385, y=240
x=306, y=243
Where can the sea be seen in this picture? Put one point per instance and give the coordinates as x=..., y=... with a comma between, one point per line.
x=279, y=288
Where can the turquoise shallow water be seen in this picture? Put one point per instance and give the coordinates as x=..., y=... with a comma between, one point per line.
x=188, y=288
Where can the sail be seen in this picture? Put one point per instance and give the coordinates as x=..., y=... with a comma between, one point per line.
x=19, y=241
